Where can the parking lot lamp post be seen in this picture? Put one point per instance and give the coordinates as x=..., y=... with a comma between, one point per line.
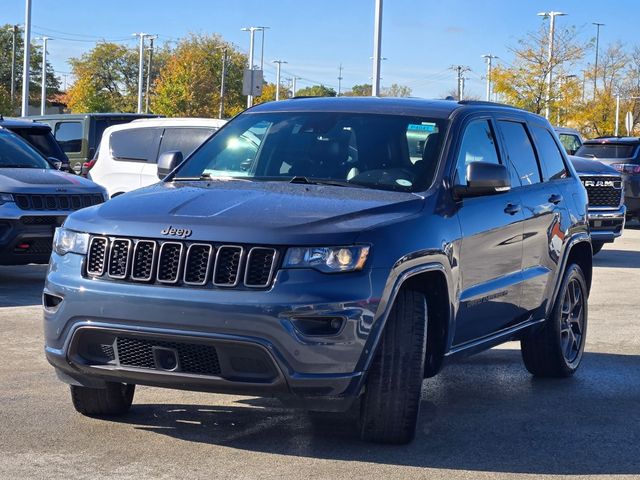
x=552, y=23
x=595, y=67
x=252, y=31
x=43, y=94
x=489, y=58
x=149, y=65
x=140, y=68
x=27, y=58
x=278, y=64
x=377, y=49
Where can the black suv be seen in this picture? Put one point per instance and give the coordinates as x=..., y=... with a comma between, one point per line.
x=623, y=154
x=332, y=253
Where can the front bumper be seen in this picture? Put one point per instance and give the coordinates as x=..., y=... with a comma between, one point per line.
x=606, y=225
x=27, y=238
x=244, y=327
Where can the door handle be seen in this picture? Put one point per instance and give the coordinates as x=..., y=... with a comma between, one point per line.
x=556, y=198
x=512, y=208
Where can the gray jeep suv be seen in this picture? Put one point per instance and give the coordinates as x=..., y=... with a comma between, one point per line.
x=35, y=198
x=332, y=253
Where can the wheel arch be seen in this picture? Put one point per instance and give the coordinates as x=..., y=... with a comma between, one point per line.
x=581, y=254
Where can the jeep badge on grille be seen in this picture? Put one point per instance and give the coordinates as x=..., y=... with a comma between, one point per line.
x=178, y=232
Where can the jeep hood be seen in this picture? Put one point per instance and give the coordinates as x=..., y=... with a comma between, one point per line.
x=35, y=180
x=250, y=212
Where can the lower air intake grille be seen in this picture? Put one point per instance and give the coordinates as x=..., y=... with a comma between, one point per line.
x=192, y=358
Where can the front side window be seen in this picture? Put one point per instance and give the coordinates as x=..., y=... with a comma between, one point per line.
x=550, y=155
x=135, y=144
x=478, y=145
x=570, y=142
x=520, y=151
x=69, y=136
x=351, y=149
x=16, y=153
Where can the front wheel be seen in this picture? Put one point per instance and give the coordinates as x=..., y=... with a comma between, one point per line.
x=391, y=400
x=115, y=399
x=555, y=349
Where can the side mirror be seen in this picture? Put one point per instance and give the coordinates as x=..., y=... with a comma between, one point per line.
x=484, y=178
x=55, y=163
x=167, y=162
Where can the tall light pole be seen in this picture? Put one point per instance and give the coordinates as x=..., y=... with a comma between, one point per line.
x=339, y=80
x=278, y=64
x=222, y=83
x=27, y=58
x=252, y=31
x=149, y=65
x=488, y=57
x=552, y=23
x=377, y=49
x=262, y=29
x=140, y=68
x=14, y=31
x=43, y=91
x=293, y=86
x=595, y=67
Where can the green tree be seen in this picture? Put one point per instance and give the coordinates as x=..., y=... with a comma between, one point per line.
x=106, y=80
x=189, y=82
x=363, y=90
x=6, y=43
x=316, y=91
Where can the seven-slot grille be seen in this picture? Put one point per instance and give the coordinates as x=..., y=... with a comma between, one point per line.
x=603, y=191
x=181, y=263
x=31, y=201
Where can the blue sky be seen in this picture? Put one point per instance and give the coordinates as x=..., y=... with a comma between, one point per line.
x=421, y=38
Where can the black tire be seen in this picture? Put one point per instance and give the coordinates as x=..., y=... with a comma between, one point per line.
x=391, y=400
x=115, y=399
x=596, y=247
x=555, y=348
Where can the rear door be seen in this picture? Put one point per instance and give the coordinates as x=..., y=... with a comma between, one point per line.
x=183, y=139
x=543, y=205
x=491, y=248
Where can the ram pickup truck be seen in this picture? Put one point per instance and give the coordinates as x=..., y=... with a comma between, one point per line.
x=362, y=245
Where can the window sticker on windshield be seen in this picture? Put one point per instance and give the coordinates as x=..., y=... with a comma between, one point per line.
x=423, y=127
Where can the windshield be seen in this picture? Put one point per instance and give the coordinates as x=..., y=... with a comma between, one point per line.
x=606, y=150
x=16, y=153
x=376, y=151
x=43, y=141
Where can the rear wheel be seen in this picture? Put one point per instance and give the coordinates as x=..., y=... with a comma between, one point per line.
x=596, y=247
x=555, y=349
x=391, y=401
x=115, y=399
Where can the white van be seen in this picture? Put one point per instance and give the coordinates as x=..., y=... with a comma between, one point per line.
x=128, y=154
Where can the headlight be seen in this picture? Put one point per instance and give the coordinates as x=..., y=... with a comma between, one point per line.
x=5, y=198
x=327, y=259
x=65, y=241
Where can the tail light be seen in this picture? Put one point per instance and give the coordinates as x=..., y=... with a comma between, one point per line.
x=86, y=166
x=626, y=167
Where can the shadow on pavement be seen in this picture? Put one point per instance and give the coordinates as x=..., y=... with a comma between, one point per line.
x=483, y=414
x=21, y=285
x=617, y=258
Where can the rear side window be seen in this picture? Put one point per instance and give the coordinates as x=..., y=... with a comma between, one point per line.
x=478, y=145
x=185, y=140
x=69, y=136
x=43, y=141
x=550, y=156
x=520, y=151
x=136, y=144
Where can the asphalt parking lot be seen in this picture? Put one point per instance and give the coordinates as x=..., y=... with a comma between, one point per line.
x=482, y=418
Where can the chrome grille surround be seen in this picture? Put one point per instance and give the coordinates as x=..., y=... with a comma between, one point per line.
x=183, y=263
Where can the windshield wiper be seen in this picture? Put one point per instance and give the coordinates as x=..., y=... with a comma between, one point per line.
x=324, y=181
